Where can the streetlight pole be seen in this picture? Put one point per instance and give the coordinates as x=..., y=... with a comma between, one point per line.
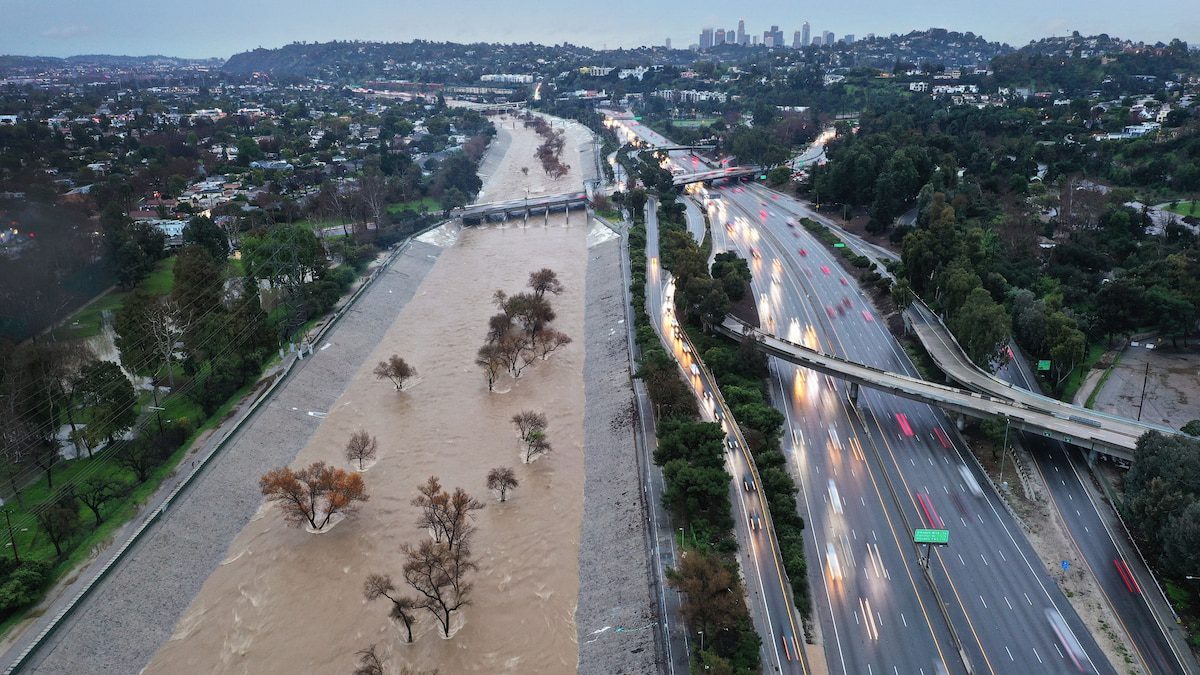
x=681, y=537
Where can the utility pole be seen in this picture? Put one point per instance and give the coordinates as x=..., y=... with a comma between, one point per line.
x=1142, y=403
x=11, y=539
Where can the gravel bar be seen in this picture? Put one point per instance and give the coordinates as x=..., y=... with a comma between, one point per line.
x=615, y=618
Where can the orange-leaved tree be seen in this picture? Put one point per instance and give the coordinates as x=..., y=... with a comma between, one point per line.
x=313, y=494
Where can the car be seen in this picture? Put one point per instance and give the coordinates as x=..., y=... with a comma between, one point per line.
x=831, y=559
x=687, y=350
x=1066, y=637
x=706, y=395
x=905, y=427
x=803, y=253
x=825, y=270
x=867, y=316
x=790, y=223
x=748, y=482
x=844, y=282
x=829, y=311
x=755, y=522
x=732, y=443
x=695, y=369
x=835, y=498
x=942, y=437
x=841, y=310
x=833, y=438
x=754, y=252
x=969, y=480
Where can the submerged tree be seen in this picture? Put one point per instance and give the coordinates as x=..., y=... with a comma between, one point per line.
x=361, y=447
x=545, y=281
x=437, y=572
x=313, y=494
x=502, y=479
x=396, y=370
x=381, y=586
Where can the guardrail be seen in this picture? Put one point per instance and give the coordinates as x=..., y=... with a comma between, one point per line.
x=23, y=658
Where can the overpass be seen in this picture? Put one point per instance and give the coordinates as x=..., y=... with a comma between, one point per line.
x=522, y=208
x=671, y=148
x=953, y=360
x=716, y=174
x=1117, y=440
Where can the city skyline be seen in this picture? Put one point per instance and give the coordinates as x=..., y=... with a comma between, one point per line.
x=70, y=27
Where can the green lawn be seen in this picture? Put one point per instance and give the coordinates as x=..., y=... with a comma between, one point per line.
x=418, y=205
x=693, y=124
x=1077, y=376
x=1191, y=208
x=86, y=322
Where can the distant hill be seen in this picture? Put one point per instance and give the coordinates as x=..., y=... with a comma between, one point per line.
x=364, y=60
x=17, y=65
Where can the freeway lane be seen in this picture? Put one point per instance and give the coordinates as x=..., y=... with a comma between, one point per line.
x=769, y=596
x=1127, y=585
x=1023, y=636
x=1143, y=612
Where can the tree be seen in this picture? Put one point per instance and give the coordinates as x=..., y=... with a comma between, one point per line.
x=98, y=491
x=381, y=586
x=109, y=400
x=502, y=479
x=545, y=281
x=437, y=572
x=531, y=311
x=60, y=521
x=536, y=444
x=138, y=456
x=1192, y=428
x=491, y=358
x=528, y=422
x=712, y=600
x=982, y=327
x=361, y=447
x=313, y=494
x=203, y=232
x=1068, y=345
x=396, y=370
x=515, y=348
x=548, y=340
x=369, y=662
x=447, y=516
x=199, y=284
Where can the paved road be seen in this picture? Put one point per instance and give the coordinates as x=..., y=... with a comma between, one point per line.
x=1095, y=530
x=1127, y=585
x=663, y=545
x=997, y=600
x=771, y=606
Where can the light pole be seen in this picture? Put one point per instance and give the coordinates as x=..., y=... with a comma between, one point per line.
x=681, y=537
x=701, y=639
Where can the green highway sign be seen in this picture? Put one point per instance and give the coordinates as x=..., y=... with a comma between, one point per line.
x=1044, y=364
x=931, y=536
x=839, y=245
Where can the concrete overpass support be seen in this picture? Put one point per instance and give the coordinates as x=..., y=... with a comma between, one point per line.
x=854, y=392
x=960, y=422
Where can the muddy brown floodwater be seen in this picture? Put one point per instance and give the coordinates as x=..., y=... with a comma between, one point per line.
x=285, y=600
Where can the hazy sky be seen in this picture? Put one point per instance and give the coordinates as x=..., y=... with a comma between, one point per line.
x=202, y=28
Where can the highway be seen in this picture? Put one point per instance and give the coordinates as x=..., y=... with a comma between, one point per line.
x=1098, y=537
x=895, y=465
x=997, y=601
x=1129, y=588
x=768, y=593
